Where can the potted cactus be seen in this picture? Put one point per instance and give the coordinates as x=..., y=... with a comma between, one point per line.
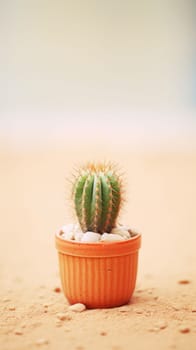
x=97, y=257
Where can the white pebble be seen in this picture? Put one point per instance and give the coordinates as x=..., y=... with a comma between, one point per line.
x=124, y=227
x=91, y=237
x=121, y=231
x=78, y=307
x=77, y=228
x=67, y=228
x=111, y=237
x=68, y=235
x=78, y=236
x=70, y=231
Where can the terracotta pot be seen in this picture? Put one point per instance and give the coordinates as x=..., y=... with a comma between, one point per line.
x=99, y=275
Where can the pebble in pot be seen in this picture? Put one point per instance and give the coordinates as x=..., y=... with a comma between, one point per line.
x=90, y=237
x=111, y=237
x=121, y=231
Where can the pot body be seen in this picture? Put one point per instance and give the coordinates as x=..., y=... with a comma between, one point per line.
x=101, y=274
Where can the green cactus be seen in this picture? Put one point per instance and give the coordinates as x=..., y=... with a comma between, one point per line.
x=97, y=195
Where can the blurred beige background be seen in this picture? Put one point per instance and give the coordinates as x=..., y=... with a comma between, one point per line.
x=85, y=70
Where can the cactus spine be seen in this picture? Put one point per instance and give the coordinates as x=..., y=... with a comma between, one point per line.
x=97, y=195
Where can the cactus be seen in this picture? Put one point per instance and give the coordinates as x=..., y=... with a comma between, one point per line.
x=97, y=195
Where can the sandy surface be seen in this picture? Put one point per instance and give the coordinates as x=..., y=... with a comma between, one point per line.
x=161, y=204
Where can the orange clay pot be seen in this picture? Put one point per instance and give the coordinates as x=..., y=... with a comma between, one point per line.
x=99, y=275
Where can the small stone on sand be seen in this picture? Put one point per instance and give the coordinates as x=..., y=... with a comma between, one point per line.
x=103, y=333
x=12, y=308
x=161, y=325
x=18, y=332
x=184, y=282
x=23, y=325
x=153, y=329
x=78, y=307
x=124, y=308
x=176, y=307
x=41, y=341
x=5, y=300
x=63, y=316
x=139, y=311
x=184, y=330
x=45, y=305
x=150, y=291
x=140, y=290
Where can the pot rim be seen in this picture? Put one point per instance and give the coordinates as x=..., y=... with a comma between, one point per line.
x=98, y=249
